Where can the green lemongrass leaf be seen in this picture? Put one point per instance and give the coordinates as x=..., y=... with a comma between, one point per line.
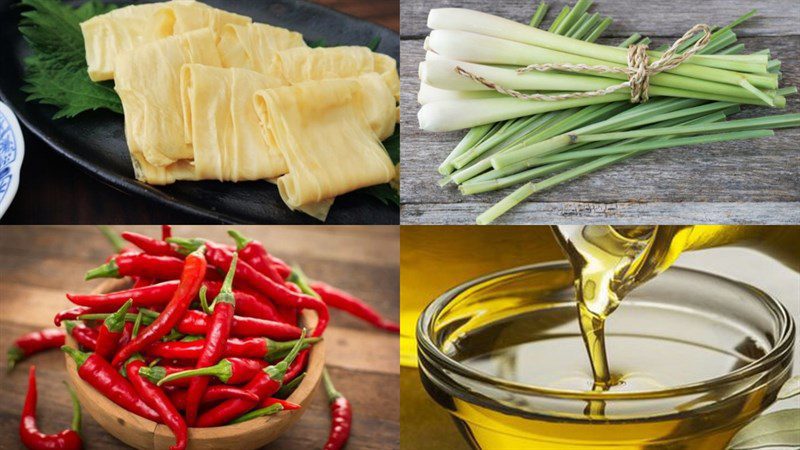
x=559, y=18
x=631, y=40
x=598, y=31
x=56, y=74
x=790, y=388
x=538, y=16
x=779, y=428
x=574, y=16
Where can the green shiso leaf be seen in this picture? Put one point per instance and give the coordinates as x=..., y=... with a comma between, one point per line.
x=56, y=72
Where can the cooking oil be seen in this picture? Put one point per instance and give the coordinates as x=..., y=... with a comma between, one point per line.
x=654, y=376
x=610, y=261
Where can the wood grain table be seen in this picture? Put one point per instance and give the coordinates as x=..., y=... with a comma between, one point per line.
x=39, y=264
x=46, y=172
x=755, y=181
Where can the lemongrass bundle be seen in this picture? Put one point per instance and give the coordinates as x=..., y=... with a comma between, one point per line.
x=515, y=140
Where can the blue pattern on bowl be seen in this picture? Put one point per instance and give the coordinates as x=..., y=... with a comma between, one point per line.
x=8, y=153
x=12, y=149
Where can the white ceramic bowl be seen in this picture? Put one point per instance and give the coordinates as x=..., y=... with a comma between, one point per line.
x=12, y=150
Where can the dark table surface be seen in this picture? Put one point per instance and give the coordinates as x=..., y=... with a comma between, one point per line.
x=55, y=191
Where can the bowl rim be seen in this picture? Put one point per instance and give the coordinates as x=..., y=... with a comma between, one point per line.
x=427, y=348
x=305, y=390
x=16, y=166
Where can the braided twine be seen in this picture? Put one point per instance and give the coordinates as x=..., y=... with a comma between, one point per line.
x=639, y=70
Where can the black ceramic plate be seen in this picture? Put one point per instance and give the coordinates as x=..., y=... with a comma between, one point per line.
x=96, y=140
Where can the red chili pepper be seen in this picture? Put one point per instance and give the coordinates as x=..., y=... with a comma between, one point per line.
x=213, y=394
x=158, y=400
x=127, y=332
x=110, y=331
x=287, y=406
x=85, y=337
x=29, y=432
x=219, y=329
x=191, y=278
x=281, y=267
x=34, y=342
x=242, y=348
x=253, y=252
x=248, y=303
x=139, y=265
x=341, y=415
x=140, y=282
x=277, y=292
x=166, y=232
x=72, y=314
x=101, y=375
x=264, y=384
x=149, y=245
x=297, y=367
x=154, y=295
x=340, y=299
x=196, y=322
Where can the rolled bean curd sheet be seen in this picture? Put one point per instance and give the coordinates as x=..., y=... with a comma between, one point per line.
x=323, y=133
x=108, y=35
x=148, y=83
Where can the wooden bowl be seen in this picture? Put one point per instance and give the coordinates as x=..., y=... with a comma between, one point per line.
x=141, y=433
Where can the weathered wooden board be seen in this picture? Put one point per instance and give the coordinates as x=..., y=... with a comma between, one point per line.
x=753, y=181
x=39, y=264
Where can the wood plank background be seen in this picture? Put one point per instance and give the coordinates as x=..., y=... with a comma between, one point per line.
x=755, y=181
x=39, y=264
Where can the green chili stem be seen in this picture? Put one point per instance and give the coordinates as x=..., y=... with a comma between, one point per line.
x=268, y=411
x=76, y=409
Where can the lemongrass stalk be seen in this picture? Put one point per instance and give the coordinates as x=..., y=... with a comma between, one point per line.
x=631, y=40
x=734, y=50
x=493, y=185
x=598, y=31
x=651, y=109
x=577, y=24
x=559, y=18
x=574, y=15
x=628, y=120
x=774, y=66
x=573, y=154
x=725, y=40
x=442, y=73
x=585, y=115
x=501, y=179
x=470, y=139
x=516, y=127
x=741, y=19
x=477, y=167
x=451, y=115
x=430, y=94
x=529, y=189
x=771, y=122
x=538, y=16
x=586, y=27
x=487, y=24
x=482, y=49
x=787, y=91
